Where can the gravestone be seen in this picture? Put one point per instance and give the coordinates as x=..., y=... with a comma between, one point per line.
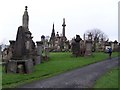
x=115, y=46
x=76, y=46
x=82, y=48
x=72, y=46
x=66, y=46
x=39, y=52
x=88, y=51
x=46, y=53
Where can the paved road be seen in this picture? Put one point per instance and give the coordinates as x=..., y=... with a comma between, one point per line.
x=80, y=78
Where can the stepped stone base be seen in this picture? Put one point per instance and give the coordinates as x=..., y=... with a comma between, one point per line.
x=19, y=66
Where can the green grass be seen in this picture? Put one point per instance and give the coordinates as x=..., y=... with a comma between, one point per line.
x=58, y=63
x=109, y=80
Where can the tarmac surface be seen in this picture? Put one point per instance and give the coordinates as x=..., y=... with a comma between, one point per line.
x=84, y=77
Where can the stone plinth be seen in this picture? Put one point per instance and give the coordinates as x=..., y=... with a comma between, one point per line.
x=19, y=66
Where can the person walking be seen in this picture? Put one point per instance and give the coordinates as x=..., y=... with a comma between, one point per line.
x=110, y=52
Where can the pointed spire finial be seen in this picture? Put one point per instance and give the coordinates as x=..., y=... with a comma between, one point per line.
x=53, y=24
x=53, y=30
x=26, y=8
x=63, y=19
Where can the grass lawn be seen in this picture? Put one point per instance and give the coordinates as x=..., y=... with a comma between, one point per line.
x=109, y=80
x=58, y=63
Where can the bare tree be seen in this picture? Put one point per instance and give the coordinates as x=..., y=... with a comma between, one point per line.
x=97, y=36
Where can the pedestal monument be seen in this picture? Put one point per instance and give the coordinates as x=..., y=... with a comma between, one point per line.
x=23, y=49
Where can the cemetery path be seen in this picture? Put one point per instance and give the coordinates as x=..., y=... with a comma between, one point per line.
x=80, y=78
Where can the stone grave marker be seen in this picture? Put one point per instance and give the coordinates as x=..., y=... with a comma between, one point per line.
x=39, y=52
x=88, y=51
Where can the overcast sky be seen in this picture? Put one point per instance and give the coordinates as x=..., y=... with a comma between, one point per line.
x=80, y=16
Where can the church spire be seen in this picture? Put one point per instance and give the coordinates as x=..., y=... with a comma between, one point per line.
x=52, y=38
x=53, y=31
x=53, y=27
x=25, y=19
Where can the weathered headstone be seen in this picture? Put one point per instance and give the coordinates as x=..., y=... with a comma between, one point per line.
x=46, y=53
x=39, y=52
x=88, y=51
x=66, y=46
x=82, y=48
x=115, y=45
x=76, y=46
